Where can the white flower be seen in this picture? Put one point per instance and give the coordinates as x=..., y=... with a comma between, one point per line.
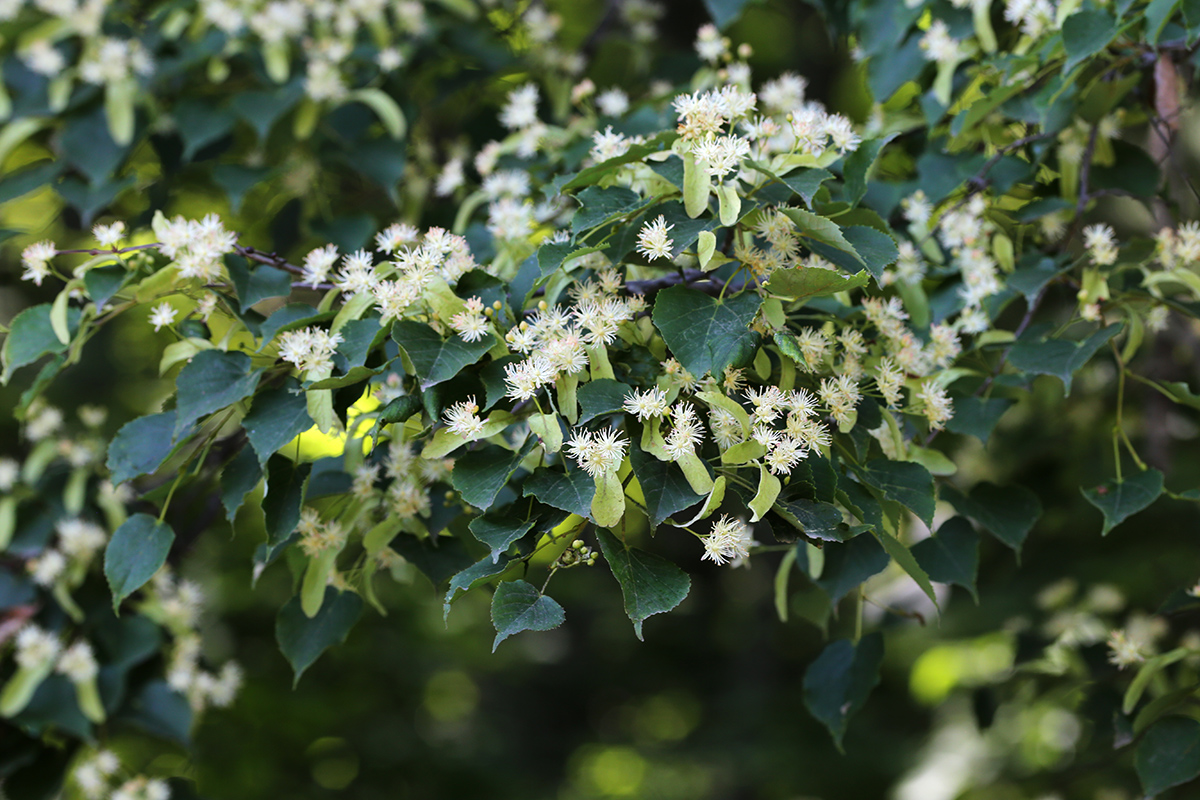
x=36, y=646
x=471, y=324
x=521, y=109
x=720, y=155
x=686, y=432
x=599, y=453
x=612, y=102
x=939, y=45
x=709, y=44
x=647, y=404
x=47, y=568
x=36, y=260
x=462, y=419
x=162, y=315
x=10, y=472
x=1101, y=244
x=729, y=540
x=653, y=242
x=318, y=263
x=109, y=235
x=78, y=662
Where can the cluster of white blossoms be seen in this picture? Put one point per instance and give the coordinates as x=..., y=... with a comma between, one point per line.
x=310, y=350
x=196, y=246
x=1033, y=17
x=462, y=418
x=471, y=324
x=202, y=688
x=36, y=260
x=653, y=241
x=938, y=45
x=599, y=452
x=77, y=543
x=1101, y=244
x=729, y=541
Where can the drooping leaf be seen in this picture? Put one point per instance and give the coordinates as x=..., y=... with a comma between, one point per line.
x=436, y=359
x=518, y=606
x=1168, y=755
x=437, y=557
x=478, y=573
x=141, y=446
x=479, y=475
x=211, y=381
x=977, y=416
x=951, y=555
x=238, y=478
x=837, y=683
x=1119, y=500
x=705, y=334
x=601, y=205
x=817, y=520
x=806, y=182
x=283, y=497
x=600, y=397
x=569, y=491
x=904, y=557
x=849, y=564
x=277, y=416
x=650, y=584
x=664, y=486
x=906, y=482
x=872, y=249
x=724, y=12
x=1006, y=512
x=135, y=552
x=302, y=639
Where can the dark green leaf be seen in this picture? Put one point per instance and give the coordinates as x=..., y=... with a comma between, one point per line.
x=136, y=551
x=253, y=285
x=820, y=230
x=103, y=282
x=1085, y=33
x=30, y=336
x=290, y=317
x=601, y=205
x=212, y=380
x=237, y=179
x=88, y=146
x=302, y=639
x=1133, y=172
x=904, y=557
x=518, y=606
x=858, y=167
x=238, y=478
x=849, y=564
x=90, y=199
x=977, y=416
x=802, y=283
x=664, y=486
x=816, y=520
x=499, y=530
x=650, y=584
x=436, y=359
x=54, y=706
x=705, y=334
x=836, y=685
x=479, y=475
x=201, y=123
x=1168, y=755
x=282, y=497
x=1059, y=357
x=1006, y=512
x=356, y=375
x=261, y=109
x=600, y=397
x=552, y=256
x=806, y=182
x=906, y=482
x=1119, y=500
x=141, y=446
x=359, y=338
x=637, y=152
x=951, y=556
x=277, y=417
x=163, y=712
x=569, y=491
x=474, y=575
x=437, y=557
x=23, y=181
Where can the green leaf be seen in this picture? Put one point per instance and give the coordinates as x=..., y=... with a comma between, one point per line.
x=904, y=557
x=1085, y=33
x=806, y=182
x=816, y=520
x=141, y=446
x=238, y=479
x=978, y=416
x=952, y=555
x=705, y=334
x=1168, y=755
x=31, y=336
x=518, y=606
x=608, y=503
x=837, y=683
x=437, y=557
x=603, y=205
x=302, y=640
x=436, y=359
x=104, y=282
x=212, y=380
x=550, y=257
x=569, y=491
x=1145, y=674
x=498, y=530
x=474, y=575
x=650, y=584
x=237, y=180
x=906, y=482
x=201, y=123
x=847, y=565
x=664, y=486
x=479, y=475
x=600, y=397
x=873, y=249
x=637, y=152
x=724, y=12
x=858, y=167
x=803, y=283
x=277, y=417
x=821, y=230
x=283, y=496
x=1133, y=172
x=1119, y=500
x=1006, y=512
x=1059, y=357
x=136, y=551
x=255, y=284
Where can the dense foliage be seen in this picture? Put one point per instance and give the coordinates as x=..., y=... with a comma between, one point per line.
x=436, y=301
